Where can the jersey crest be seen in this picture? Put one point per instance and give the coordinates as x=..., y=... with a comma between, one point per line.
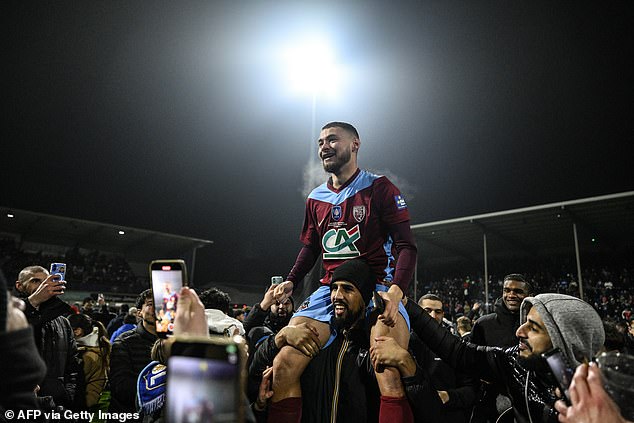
x=339, y=244
x=359, y=213
x=336, y=213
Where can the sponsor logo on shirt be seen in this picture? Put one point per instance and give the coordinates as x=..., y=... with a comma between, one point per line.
x=400, y=202
x=358, y=212
x=336, y=212
x=339, y=244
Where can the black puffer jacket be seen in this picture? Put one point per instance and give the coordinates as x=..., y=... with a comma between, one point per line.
x=131, y=352
x=492, y=364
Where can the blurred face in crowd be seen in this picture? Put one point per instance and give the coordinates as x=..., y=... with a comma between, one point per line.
x=534, y=338
x=347, y=303
x=30, y=285
x=632, y=327
x=88, y=305
x=434, y=308
x=513, y=293
x=282, y=310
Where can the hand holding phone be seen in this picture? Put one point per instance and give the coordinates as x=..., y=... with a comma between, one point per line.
x=58, y=269
x=561, y=371
x=167, y=277
x=379, y=303
x=206, y=379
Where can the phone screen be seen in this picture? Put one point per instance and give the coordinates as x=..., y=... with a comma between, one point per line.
x=560, y=370
x=204, y=387
x=167, y=278
x=59, y=269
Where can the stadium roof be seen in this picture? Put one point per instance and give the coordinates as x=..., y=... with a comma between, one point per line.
x=134, y=243
x=603, y=224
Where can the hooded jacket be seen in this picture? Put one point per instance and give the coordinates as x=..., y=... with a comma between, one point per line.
x=573, y=325
x=530, y=392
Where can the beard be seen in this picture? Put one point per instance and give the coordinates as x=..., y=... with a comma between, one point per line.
x=341, y=159
x=347, y=319
x=535, y=363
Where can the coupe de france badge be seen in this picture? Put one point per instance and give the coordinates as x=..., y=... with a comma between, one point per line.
x=359, y=213
x=336, y=213
x=400, y=202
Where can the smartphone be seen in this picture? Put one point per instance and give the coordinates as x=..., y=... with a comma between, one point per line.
x=205, y=380
x=379, y=303
x=276, y=280
x=58, y=269
x=167, y=277
x=561, y=371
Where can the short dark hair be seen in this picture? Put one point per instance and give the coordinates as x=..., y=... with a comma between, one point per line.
x=520, y=278
x=142, y=297
x=343, y=125
x=429, y=296
x=87, y=299
x=216, y=299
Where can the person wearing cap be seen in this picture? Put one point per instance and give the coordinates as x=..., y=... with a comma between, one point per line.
x=355, y=214
x=548, y=321
x=339, y=382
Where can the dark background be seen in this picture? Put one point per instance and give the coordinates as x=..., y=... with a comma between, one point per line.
x=176, y=117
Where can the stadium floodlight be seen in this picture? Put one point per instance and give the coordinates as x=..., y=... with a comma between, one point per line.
x=121, y=232
x=311, y=67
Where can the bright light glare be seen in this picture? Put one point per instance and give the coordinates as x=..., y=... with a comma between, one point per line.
x=10, y=215
x=311, y=67
x=121, y=232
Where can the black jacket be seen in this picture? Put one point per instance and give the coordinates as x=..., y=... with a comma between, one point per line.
x=492, y=364
x=21, y=369
x=131, y=352
x=462, y=389
x=344, y=367
x=496, y=329
x=56, y=344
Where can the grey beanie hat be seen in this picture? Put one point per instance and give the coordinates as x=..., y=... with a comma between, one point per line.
x=573, y=325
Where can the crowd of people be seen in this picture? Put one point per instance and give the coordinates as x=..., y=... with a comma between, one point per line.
x=86, y=271
x=358, y=349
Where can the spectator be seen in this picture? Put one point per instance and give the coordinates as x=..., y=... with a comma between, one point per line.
x=266, y=318
x=498, y=329
x=217, y=308
x=131, y=352
x=463, y=327
x=95, y=349
x=20, y=365
x=239, y=314
x=548, y=321
x=129, y=323
x=338, y=384
x=117, y=322
x=457, y=391
x=54, y=338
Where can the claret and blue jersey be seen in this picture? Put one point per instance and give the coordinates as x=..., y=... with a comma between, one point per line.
x=353, y=221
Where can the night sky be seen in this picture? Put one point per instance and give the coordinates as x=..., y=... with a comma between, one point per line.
x=178, y=116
